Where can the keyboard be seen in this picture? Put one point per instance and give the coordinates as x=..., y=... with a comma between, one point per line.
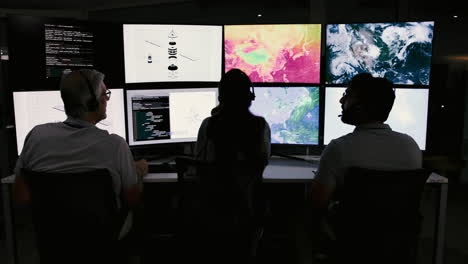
x=162, y=168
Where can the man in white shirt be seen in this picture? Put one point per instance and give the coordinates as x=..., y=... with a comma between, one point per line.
x=77, y=145
x=366, y=104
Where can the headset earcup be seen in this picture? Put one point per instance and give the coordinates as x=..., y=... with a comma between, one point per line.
x=252, y=96
x=93, y=105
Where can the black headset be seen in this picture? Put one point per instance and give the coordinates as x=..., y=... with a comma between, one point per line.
x=252, y=88
x=222, y=84
x=252, y=92
x=92, y=103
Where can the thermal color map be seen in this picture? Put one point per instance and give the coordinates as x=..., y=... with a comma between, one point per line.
x=274, y=53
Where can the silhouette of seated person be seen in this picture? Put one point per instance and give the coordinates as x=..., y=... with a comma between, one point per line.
x=366, y=104
x=78, y=145
x=237, y=144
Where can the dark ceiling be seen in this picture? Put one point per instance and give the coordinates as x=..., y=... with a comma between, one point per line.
x=80, y=4
x=446, y=6
x=334, y=9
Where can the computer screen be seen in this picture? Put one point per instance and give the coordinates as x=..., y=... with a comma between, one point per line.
x=167, y=115
x=408, y=115
x=274, y=53
x=172, y=53
x=45, y=48
x=39, y=107
x=291, y=112
x=400, y=52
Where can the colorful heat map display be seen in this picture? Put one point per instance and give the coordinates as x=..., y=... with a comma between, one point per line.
x=274, y=53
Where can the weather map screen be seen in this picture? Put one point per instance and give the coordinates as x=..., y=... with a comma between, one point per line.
x=172, y=53
x=167, y=115
x=400, y=52
x=35, y=108
x=274, y=53
x=291, y=112
x=408, y=115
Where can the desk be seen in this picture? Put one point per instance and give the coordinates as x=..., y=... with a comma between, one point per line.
x=278, y=171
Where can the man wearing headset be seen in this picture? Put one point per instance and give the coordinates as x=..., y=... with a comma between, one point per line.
x=366, y=104
x=77, y=145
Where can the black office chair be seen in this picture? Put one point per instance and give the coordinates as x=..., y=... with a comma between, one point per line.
x=75, y=216
x=377, y=218
x=221, y=212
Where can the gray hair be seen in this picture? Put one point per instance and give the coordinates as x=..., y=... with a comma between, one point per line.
x=76, y=93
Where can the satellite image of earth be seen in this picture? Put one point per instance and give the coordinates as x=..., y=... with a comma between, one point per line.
x=291, y=112
x=400, y=52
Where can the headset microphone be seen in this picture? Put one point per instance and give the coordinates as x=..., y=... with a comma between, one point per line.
x=252, y=93
x=340, y=115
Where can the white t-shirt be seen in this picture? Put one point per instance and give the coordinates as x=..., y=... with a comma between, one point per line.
x=372, y=146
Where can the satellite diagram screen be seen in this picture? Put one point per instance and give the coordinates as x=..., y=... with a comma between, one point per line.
x=172, y=53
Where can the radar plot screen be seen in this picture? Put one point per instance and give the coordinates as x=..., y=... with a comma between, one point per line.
x=274, y=53
x=408, y=115
x=400, y=52
x=172, y=53
x=291, y=112
x=35, y=108
x=168, y=115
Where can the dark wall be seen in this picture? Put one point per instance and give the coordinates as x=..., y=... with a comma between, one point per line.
x=211, y=12
x=3, y=33
x=6, y=131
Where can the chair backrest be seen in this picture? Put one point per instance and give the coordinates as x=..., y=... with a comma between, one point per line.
x=381, y=208
x=74, y=214
x=222, y=189
x=225, y=208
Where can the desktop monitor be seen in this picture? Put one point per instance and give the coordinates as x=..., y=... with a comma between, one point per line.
x=172, y=53
x=274, y=53
x=408, y=115
x=39, y=107
x=167, y=115
x=400, y=52
x=291, y=112
x=44, y=48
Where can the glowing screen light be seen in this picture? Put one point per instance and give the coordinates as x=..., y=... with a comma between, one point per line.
x=274, y=53
x=400, y=52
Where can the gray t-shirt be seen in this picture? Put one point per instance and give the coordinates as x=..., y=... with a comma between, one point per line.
x=75, y=146
x=372, y=146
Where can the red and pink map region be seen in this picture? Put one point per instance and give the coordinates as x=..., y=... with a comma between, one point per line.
x=274, y=53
